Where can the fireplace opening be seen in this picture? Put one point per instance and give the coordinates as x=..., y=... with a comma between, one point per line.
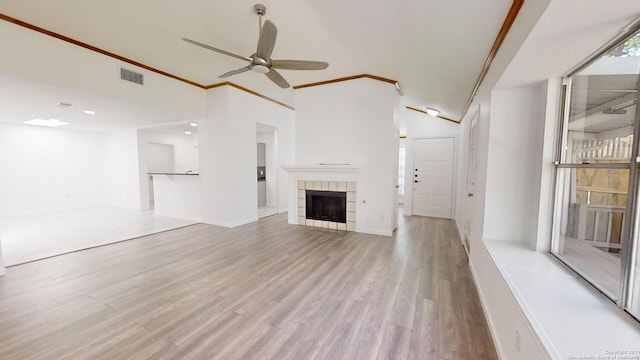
x=327, y=206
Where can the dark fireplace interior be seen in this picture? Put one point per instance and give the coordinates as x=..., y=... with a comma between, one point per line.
x=327, y=206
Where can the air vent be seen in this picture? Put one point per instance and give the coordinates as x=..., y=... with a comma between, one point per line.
x=64, y=105
x=132, y=76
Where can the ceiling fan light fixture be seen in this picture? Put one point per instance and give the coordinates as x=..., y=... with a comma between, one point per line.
x=433, y=112
x=260, y=69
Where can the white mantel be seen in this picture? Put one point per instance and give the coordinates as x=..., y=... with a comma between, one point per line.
x=315, y=168
x=320, y=172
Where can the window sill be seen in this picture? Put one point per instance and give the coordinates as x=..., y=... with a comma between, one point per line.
x=571, y=319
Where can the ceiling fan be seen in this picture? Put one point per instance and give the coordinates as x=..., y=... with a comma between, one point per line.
x=261, y=61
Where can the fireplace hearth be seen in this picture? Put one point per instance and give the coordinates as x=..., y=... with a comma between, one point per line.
x=326, y=206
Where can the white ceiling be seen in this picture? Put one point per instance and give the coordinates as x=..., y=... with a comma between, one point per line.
x=567, y=34
x=435, y=49
x=23, y=100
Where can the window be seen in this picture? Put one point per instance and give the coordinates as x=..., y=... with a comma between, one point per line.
x=598, y=176
x=402, y=150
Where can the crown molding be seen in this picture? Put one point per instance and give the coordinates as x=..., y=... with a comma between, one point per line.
x=502, y=34
x=95, y=49
x=348, y=78
x=228, y=83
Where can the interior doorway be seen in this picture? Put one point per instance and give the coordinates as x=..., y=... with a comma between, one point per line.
x=433, y=177
x=266, y=170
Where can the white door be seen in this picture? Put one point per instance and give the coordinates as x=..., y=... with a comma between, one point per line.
x=471, y=180
x=433, y=177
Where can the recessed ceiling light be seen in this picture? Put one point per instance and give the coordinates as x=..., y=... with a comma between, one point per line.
x=433, y=112
x=194, y=124
x=47, y=123
x=89, y=112
x=188, y=132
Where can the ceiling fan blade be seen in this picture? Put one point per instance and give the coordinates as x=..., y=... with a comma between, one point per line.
x=267, y=40
x=277, y=78
x=217, y=50
x=234, y=72
x=299, y=64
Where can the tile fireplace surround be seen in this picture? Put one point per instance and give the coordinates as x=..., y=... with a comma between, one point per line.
x=339, y=186
x=323, y=177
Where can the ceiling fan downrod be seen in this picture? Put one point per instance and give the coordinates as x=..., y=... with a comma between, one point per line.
x=260, y=11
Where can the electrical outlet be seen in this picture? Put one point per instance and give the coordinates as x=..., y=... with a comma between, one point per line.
x=518, y=341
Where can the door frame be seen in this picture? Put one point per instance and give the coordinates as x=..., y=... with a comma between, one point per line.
x=408, y=185
x=395, y=197
x=469, y=211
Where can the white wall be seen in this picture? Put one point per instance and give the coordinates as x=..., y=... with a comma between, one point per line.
x=502, y=311
x=225, y=192
x=246, y=111
x=204, y=197
x=160, y=158
x=353, y=122
x=513, y=169
x=122, y=169
x=45, y=169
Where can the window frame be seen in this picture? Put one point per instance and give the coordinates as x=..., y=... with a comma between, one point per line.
x=631, y=225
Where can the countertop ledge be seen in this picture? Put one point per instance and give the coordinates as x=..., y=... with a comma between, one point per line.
x=171, y=173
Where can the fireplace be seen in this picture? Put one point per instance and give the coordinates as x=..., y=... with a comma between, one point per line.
x=326, y=206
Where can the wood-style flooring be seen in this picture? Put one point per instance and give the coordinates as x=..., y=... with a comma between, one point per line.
x=267, y=290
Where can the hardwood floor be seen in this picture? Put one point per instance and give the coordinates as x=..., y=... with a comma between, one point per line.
x=266, y=290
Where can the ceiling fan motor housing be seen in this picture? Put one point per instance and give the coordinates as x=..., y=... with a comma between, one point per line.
x=260, y=9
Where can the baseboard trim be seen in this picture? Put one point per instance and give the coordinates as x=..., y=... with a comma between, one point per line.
x=231, y=225
x=492, y=327
x=374, y=232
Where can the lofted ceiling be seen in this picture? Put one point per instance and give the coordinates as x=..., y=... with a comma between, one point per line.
x=436, y=50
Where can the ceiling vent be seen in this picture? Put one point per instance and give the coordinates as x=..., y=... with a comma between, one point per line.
x=131, y=76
